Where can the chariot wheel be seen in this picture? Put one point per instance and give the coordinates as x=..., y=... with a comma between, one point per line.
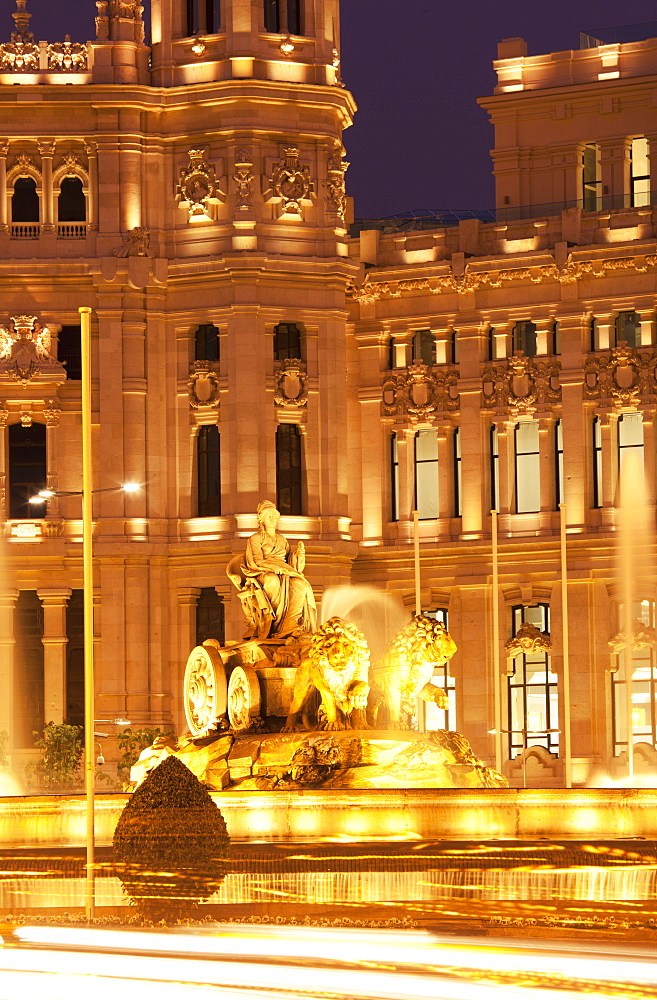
x=243, y=698
x=204, y=689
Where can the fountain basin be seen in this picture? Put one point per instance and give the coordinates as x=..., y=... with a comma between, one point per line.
x=363, y=814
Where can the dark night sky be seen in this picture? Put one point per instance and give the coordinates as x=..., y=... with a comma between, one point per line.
x=416, y=68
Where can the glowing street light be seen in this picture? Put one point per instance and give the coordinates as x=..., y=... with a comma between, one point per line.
x=42, y=496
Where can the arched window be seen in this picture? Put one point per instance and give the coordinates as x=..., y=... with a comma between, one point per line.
x=209, y=616
x=71, y=202
x=591, y=178
x=628, y=328
x=28, y=669
x=528, y=467
x=524, y=338
x=208, y=472
x=289, y=470
x=206, y=343
x=426, y=474
x=27, y=467
x=25, y=200
x=272, y=16
x=639, y=172
x=287, y=342
x=424, y=347
x=533, y=698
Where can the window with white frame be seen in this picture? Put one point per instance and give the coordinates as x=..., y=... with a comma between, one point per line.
x=458, y=474
x=639, y=172
x=426, y=474
x=434, y=717
x=533, y=698
x=527, y=467
x=394, y=477
x=597, y=461
x=630, y=441
x=558, y=463
x=591, y=178
x=628, y=328
x=644, y=685
x=424, y=347
x=524, y=338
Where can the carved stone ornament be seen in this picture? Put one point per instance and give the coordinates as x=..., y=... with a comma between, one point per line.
x=290, y=185
x=203, y=385
x=420, y=392
x=197, y=187
x=204, y=689
x=52, y=412
x=21, y=55
x=126, y=10
x=136, y=243
x=625, y=377
x=291, y=384
x=243, y=179
x=336, y=192
x=70, y=161
x=102, y=20
x=67, y=56
x=642, y=637
x=23, y=161
x=528, y=639
x=520, y=384
x=25, y=353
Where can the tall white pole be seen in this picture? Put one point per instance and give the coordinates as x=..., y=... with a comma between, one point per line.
x=88, y=584
x=568, y=752
x=495, y=603
x=416, y=552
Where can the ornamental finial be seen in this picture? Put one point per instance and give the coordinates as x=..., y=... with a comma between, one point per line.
x=22, y=23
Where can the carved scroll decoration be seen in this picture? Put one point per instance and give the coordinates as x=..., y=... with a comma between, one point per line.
x=136, y=243
x=203, y=385
x=420, y=392
x=243, y=179
x=67, y=56
x=291, y=384
x=336, y=192
x=520, y=384
x=528, y=639
x=624, y=378
x=197, y=187
x=641, y=637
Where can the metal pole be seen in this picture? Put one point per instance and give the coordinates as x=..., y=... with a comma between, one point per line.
x=88, y=584
x=496, y=645
x=568, y=751
x=416, y=550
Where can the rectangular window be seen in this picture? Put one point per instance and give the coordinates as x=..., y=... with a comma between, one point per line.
x=394, y=478
x=27, y=468
x=597, y=462
x=294, y=17
x=558, y=463
x=556, y=337
x=289, y=473
x=455, y=347
x=591, y=178
x=75, y=659
x=595, y=340
x=639, y=172
x=272, y=16
x=192, y=17
x=494, y=469
x=644, y=686
x=528, y=467
x=208, y=472
x=491, y=343
x=630, y=440
x=424, y=347
x=533, y=706
x=458, y=473
x=69, y=351
x=524, y=338
x=209, y=616
x=426, y=474
x=628, y=328
x=29, y=669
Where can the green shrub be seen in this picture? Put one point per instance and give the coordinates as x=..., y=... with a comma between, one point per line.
x=60, y=766
x=131, y=743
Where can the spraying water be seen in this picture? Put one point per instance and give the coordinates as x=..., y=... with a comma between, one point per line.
x=9, y=784
x=377, y=614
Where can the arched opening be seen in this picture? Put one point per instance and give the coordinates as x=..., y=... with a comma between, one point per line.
x=25, y=200
x=71, y=203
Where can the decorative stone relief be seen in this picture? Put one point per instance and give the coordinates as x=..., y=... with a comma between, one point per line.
x=336, y=192
x=625, y=377
x=197, y=187
x=25, y=353
x=26, y=418
x=4, y=414
x=243, y=179
x=21, y=54
x=528, y=639
x=290, y=185
x=420, y=392
x=203, y=385
x=136, y=243
x=642, y=637
x=291, y=384
x=70, y=161
x=23, y=161
x=52, y=412
x=67, y=56
x=127, y=10
x=102, y=20
x=521, y=384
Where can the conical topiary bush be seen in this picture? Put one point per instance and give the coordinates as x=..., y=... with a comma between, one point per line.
x=171, y=841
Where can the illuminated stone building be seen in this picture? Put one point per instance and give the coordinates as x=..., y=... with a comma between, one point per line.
x=246, y=346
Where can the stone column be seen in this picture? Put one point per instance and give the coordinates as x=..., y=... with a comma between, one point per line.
x=544, y=337
x=502, y=338
x=4, y=207
x=4, y=500
x=445, y=434
x=55, y=640
x=615, y=172
x=47, y=151
x=505, y=444
x=406, y=456
x=609, y=434
x=647, y=317
x=8, y=600
x=92, y=200
x=649, y=454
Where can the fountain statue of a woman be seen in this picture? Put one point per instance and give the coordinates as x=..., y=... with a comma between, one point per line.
x=277, y=599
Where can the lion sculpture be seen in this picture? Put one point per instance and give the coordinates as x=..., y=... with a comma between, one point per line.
x=336, y=663
x=404, y=672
